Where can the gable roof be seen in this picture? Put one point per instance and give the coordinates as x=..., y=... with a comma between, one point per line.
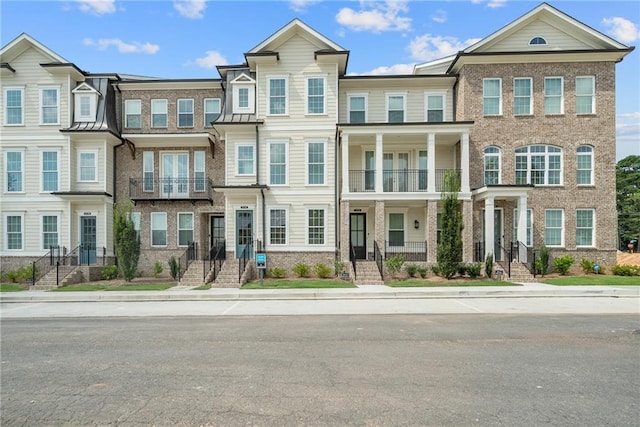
x=24, y=41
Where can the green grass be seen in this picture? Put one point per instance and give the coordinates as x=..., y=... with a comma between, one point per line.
x=11, y=287
x=104, y=287
x=298, y=284
x=204, y=287
x=416, y=283
x=594, y=280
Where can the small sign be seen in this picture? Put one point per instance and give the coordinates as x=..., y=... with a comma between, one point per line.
x=261, y=260
x=357, y=210
x=244, y=207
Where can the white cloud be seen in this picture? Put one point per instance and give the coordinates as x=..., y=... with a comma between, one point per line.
x=393, y=69
x=491, y=3
x=210, y=60
x=301, y=5
x=192, y=9
x=123, y=47
x=97, y=7
x=376, y=16
x=428, y=47
x=627, y=135
x=621, y=29
x=440, y=16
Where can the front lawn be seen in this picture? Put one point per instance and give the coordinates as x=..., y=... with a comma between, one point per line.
x=83, y=287
x=11, y=287
x=593, y=280
x=298, y=284
x=417, y=283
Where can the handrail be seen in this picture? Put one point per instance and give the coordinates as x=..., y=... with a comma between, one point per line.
x=412, y=251
x=46, y=263
x=478, y=252
x=244, y=260
x=190, y=254
x=505, y=254
x=352, y=258
x=377, y=256
x=170, y=188
x=216, y=259
x=525, y=255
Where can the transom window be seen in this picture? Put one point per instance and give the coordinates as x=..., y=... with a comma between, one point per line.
x=585, y=95
x=49, y=231
x=87, y=166
x=539, y=165
x=491, y=166
x=315, y=163
x=245, y=162
x=132, y=113
x=537, y=41
x=278, y=96
x=277, y=163
x=316, y=226
x=185, y=113
x=14, y=168
x=584, y=227
x=211, y=110
x=357, y=109
x=49, y=101
x=13, y=106
x=553, y=95
x=584, y=174
x=159, y=113
x=49, y=171
x=13, y=232
x=522, y=99
x=315, y=95
x=435, y=107
x=395, y=108
x=278, y=226
x=185, y=228
x=492, y=97
x=553, y=227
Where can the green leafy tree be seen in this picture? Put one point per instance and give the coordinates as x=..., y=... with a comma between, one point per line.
x=449, y=252
x=126, y=240
x=628, y=199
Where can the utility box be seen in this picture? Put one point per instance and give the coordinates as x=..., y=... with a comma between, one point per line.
x=261, y=260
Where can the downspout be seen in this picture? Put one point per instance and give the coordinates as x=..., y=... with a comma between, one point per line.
x=264, y=214
x=336, y=210
x=264, y=217
x=455, y=97
x=115, y=161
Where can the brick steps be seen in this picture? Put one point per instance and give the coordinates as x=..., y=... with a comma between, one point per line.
x=228, y=276
x=367, y=273
x=193, y=275
x=69, y=275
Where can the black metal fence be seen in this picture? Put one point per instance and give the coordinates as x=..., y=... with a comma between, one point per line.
x=397, y=180
x=171, y=188
x=411, y=251
x=352, y=258
x=216, y=257
x=189, y=255
x=377, y=256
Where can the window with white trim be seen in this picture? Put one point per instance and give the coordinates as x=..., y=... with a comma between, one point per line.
x=584, y=173
x=396, y=107
x=492, y=162
x=516, y=218
x=585, y=95
x=277, y=163
x=135, y=219
x=316, y=226
x=434, y=104
x=159, y=113
x=158, y=229
x=14, y=232
x=539, y=165
x=14, y=165
x=133, y=113
x=14, y=106
x=316, y=99
x=277, y=87
x=211, y=110
x=554, y=227
x=84, y=108
x=199, y=181
x=87, y=166
x=147, y=171
x=245, y=159
x=49, y=231
x=185, y=228
x=315, y=163
x=277, y=226
x=357, y=108
x=396, y=229
x=243, y=97
x=49, y=171
x=536, y=41
x=185, y=113
x=553, y=95
x=522, y=96
x=584, y=227
x=492, y=97
x=49, y=106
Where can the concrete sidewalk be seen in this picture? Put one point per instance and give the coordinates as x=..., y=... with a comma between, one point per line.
x=178, y=293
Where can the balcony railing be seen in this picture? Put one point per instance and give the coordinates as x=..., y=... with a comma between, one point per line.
x=170, y=189
x=395, y=180
x=411, y=251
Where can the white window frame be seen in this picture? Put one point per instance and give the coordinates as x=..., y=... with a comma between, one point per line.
x=129, y=113
x=163, y=111
x=207, y=123
x=166, y=239
x=89, y=98
x=404, y=227
x=529, y=241
x=402, y=95
x=199, y=157
x=324, y=209
x=547, y=97
x=430, y=94
x=250, y=108
x=185, y=113
x=308, y=97
x=546, y=155
x=498, y=154
x=6, y=106
x=530, y=96
x=285, y=209
x=95, y=166
x=578, y=169
x=148, y=168
x=136, y=218
x=365, y=96
x=42, y=106
x=6, y=231
x=271, y=143
x=286, y=95
x=562, y=228
x=253, y=159
x=178, y=229
x=593, y=95
x=324, y=163
x=42, y=232
x=593, y=228
x=485, y=97
x=21, y=171
x=42, y=171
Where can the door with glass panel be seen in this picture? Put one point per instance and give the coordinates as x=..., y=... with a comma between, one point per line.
x=175, y=175
x=244, y=232
x=217, y=236
x=395, y=172
x=88, y=237
x=369, y=171
x=358, y=234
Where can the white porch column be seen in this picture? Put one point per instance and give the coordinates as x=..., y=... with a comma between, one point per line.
x=522, y=227
x=345, y=164
x=378, y=172
x=489, y=229
x=464, y=163
x=431, y=163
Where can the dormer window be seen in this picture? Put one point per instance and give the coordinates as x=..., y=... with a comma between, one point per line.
x=86, y=101
x=244, y=89
x=537, y=41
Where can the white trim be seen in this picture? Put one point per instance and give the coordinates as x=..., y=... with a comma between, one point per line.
x=285, y=142
x=203, y=171
x=388, y=95
x=57, y=216
x=561, y=95
x=79, y=170
x=49, y=150
x=205, y=112
x=287, y=232
x=324, y=94
x=306, y=161
x=165, y=113
x=151, y=229
x=127, y=108
x=530, y=113
x=23, y=183
x=41, y=90
x=22, y=107
x=528, y=154
x=499, y=155
x=402, y=211
x=286, y=94
x=145, y=155
x=6, y=231
x=178, y=229
x=591, y=169
x=427, y=94
x=325, y=209
x=593, y=95
x=251, y=86
x=500, y=112
x=364, y=95
x=253, y=158
x=593, y=228
x=562, y=232
x=515, y=226
x=192, y=113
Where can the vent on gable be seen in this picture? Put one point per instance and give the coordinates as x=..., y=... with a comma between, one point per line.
x=537, y=41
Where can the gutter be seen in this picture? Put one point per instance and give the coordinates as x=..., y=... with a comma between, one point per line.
x=336, y=199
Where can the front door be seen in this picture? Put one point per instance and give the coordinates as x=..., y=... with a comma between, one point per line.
x=395, y=172
x=498, y=232
x=88, y=240
x=217, y=236
x=358, y=234
x=244, y=232
x=175, y=175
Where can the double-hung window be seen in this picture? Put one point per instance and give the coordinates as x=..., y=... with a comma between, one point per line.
x=553, y=95
x=277, y=163
x=245, y=163
x=396, y=107
x=491, y=166
x=133, y=113
x=522, y=96
x=243, y=98
x=135, y=218
x=516, y=218
x=49, y=231
x=316, y=98
x=15, y=171
x=277, y=96
x=396, y=229
x=539, y=165
x=158, y=229
x=159, y=113
x=199, y=181
x=277, y=226
x=315, y=163
x=49, y=171
x=84, y=102
x=185, y=113
x=553, y=227
x=584, y=227
x=316, y=226
x=492, y=97
x=147, y=171
x=14, y=232
x=87, y=166
x=50, y=106
x=211, y=110
x=14, y=106
x=357, y=108
x=584, y=173
x=185, y=228
x=585, y=95
x=434, y=107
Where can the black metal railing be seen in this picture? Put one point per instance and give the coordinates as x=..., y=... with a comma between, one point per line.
x=440, y=174
x=377, y=257
x=502, y=256
x=184, y=261
x=171, y=189
x=411, y=251
x=397, y=180
x=216, y=256
x=362, y=181
x=46, y=263
x=352, y=258
x=525, y=255
x=244, y=259
x=478, y=252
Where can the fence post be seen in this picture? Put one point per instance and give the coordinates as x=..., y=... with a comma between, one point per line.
x=33, y=273
x=57, y=273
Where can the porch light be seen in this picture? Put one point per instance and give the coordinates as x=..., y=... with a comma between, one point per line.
x=416, y=224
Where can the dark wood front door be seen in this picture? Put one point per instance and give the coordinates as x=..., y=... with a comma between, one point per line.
x=358, y=234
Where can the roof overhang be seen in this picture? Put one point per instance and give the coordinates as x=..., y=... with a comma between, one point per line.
x=501, y=192
x=58, y=69
x=407, y=128
x=168, y=84
x=203, y=139
x=6, y=70
x=330, y=56
x=262, y=58
x=84, y=196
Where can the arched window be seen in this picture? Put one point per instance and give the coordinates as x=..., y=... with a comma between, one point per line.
x=584, y=172
x=492, y=166
x=539, y=165
x=537, y=41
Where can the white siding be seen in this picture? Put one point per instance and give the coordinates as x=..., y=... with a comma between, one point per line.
x=519, y=41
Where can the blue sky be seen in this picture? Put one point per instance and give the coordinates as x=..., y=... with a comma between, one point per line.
x=187, y=39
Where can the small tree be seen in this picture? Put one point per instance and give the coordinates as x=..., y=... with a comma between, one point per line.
x=488, y=265
x=449, y=252
x=544, y=260
x=125, y=240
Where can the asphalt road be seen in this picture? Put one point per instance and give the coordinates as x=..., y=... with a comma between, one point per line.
x=427, y=370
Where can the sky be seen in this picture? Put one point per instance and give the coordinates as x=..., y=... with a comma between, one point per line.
x=189, y=38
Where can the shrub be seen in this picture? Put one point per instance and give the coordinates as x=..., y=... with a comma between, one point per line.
x=563, y=264
x=173, y=267
x=157, y=269
x=11, y=276
x=412, y=270
x=474, y=269
x=277, y=273
x=626, y=270
x=338, y=266
x=462, y=269
x=24, y=273
x=109, y=272
x=301, y=269
x=422, y=272
x=394, y=264
x=488, y=265
x=323, y=271
x=544, y=260
x=587, y=266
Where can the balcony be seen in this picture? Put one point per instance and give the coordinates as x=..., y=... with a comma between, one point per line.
x=171, y=189
x=395, y=180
